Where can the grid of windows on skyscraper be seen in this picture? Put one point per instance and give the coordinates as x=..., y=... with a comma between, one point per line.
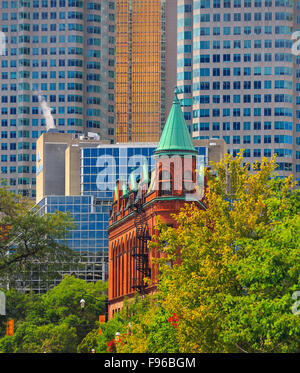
x=63, y=51
x=239, y=78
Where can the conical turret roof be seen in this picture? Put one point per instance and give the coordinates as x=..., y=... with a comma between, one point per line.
x=175, y=136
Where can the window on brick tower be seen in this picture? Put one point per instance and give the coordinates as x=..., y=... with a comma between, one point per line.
x=165, y=183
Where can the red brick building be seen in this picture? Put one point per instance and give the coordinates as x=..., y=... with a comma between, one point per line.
x=172, y=183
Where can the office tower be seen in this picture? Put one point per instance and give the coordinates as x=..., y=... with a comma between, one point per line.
x=57, y=69
x=239, y=76
x=185, y=57
x=145, y=67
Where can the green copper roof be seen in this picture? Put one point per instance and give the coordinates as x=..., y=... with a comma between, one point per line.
x=124, y=190
x=175, y=136
x=133, y=184
x=116, y=192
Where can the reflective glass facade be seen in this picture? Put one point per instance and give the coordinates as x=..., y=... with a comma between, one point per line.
x=62, y=50
x=239, y=76
x=89, y=238
x=141, y=70
x=102, y=167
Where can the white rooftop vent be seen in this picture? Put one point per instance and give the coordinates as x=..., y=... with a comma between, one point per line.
x=93, y=136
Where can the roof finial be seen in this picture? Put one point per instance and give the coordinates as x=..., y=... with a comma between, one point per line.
x=176, y=92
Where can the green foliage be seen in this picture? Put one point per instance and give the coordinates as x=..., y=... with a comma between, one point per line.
x=235, y=265
x=54, y=322
x=31, y=239
x=158, y=332
x=119, y=323
x=144, y=328
x=52, y=338
x=89, y=342
x=12, y=204
x=7, y=344
x=268, y=270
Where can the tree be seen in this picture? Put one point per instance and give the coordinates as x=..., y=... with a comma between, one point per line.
x=119, y=323
x=152, y=331
x=89, y=342
x=144, y=327
x=30, y=338
x=54, y=322
x=235, y=265
x=63, y=303
x=29, y=241
x=12, y=204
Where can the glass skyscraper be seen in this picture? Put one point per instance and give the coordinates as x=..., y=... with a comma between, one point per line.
x=240, y=77
x=145, y=67
x=60, y=52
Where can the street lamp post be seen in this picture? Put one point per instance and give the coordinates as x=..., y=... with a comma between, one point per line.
x=2, y=303
x=129, y=328
x=106, y=309
x=82, y=304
